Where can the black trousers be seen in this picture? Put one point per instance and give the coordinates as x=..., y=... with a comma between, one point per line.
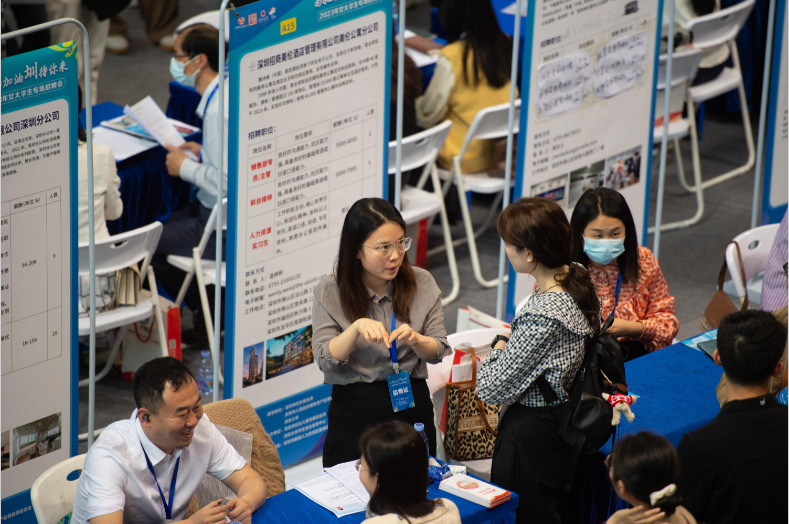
x=355, y=407
x=181, y=234
x=532, y=460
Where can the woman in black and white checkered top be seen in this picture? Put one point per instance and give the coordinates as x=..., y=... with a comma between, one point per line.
x=548, y=338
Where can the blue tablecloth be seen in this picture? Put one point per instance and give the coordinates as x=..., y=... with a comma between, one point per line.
x=183, y=102
x=148, y=192
x=293, y=506
x=677, y=395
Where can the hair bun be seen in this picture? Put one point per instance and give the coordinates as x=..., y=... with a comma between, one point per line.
x=656, y=496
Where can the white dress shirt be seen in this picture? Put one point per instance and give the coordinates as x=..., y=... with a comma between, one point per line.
x=116, y=476
x=107, y=203
x=203, y=174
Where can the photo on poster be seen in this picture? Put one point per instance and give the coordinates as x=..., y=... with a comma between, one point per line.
x=624, y=169
x=36, y=439
x=585, y=178
x=554, y=189
x=253, y=364
x=6, y=452
x=288, y=352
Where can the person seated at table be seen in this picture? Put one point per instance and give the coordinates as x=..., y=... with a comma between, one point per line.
x=393, y=470
x=195, y=63
x=644, y=471
x=374, y=302
x=148, y=467
x=544, y=353
x=472, y=73
x=627, y=276
x=734, y=468
x=412, y=87
x=713, y=59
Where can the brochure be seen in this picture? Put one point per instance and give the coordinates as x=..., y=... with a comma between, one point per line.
x=328, y=492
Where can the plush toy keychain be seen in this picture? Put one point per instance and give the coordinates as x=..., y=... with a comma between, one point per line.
x=621, y=404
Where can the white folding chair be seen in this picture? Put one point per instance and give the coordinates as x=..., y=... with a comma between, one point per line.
x=709, y=31
x=53, y=493
x=205, y=271
x=755, y=245
x=437, y=378
x=421, y=150
x=111, y=255
x=684, y=68
x=490, y=123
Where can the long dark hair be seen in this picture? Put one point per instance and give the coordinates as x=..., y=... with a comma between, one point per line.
x=610, y=203
x=541, y=226
x=364, y=217
x=646, y=463
x=396, y=453
x=491, y=47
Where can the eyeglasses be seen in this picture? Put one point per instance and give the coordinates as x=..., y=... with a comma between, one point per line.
x=403, y=245
x=177, y=56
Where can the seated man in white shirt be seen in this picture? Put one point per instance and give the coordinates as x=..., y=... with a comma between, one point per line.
x=195, y=63
x=147, y=468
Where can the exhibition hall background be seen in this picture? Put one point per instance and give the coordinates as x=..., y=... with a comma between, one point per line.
x=690, y=258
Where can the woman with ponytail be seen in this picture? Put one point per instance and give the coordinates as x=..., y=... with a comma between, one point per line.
x=546, y=350
x=644, y=470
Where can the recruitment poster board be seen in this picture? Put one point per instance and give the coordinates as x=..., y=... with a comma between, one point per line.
x=588, y=83
x=309, y=118
x=39, y=267
x=776, y=158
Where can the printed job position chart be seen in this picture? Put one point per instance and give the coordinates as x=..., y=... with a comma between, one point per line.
x=311, y=119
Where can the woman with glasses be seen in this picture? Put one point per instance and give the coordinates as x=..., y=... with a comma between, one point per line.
x=376, y=318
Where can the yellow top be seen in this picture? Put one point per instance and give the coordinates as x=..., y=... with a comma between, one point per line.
x=449, y=96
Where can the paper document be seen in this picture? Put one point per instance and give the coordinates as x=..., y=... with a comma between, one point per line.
x=347, y=475
x=148, y=115
x=419, y=58
x=510, y=9
x=328, y=492
x=620, y=64
x=123, y=145
x=126, y=124
x=562, y=84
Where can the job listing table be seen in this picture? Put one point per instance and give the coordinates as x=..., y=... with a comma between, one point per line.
x=31, y=246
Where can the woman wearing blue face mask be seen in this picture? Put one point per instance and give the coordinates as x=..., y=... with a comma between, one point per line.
x=629, y=280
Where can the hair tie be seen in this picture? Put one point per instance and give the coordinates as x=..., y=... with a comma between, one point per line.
x=657, y=496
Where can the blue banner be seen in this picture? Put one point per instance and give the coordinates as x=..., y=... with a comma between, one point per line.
x=39, y=269
x=309, y=97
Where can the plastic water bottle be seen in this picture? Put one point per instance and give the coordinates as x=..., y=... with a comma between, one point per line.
x=420, y=428
x=205, y=374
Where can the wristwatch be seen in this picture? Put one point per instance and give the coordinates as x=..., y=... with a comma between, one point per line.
x=496, y=340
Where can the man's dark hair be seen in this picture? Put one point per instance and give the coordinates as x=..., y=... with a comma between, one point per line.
x=150, y=380
x=202, y=39
x=750, y=344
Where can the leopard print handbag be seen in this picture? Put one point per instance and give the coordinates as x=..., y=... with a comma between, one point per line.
x=470, y=424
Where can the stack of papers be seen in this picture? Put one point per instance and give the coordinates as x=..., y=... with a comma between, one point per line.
x=339, y=490
x=154, y=122
x=474, y=490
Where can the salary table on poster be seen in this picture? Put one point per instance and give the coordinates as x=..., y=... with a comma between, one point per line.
x=31, y=279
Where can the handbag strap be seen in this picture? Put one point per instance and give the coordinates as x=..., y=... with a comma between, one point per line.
x=724, y=267
x=482, y=412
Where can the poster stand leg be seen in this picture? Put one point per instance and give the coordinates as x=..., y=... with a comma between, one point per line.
x=209, y=326
x=91, y=234
x=768, y=58
x=508, y=169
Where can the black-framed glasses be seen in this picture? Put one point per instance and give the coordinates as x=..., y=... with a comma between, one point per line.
x=385, y=250
x=177, y=56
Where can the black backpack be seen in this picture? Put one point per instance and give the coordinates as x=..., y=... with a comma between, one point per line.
x=586, y=424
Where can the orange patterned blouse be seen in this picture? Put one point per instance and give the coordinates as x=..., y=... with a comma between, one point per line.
x=647, y=302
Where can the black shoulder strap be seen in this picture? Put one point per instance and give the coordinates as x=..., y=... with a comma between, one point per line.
x=545, y=388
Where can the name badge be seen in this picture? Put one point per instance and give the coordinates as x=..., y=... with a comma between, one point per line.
x=400, y=391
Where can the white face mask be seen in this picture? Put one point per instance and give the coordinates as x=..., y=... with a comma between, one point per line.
x=177, y=70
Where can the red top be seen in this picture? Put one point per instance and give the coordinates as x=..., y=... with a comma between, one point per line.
x=647, y=301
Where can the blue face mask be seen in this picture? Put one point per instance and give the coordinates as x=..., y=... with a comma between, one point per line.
x=177, y=70
x=604, y=250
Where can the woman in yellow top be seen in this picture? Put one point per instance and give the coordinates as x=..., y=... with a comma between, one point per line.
x=472, y=73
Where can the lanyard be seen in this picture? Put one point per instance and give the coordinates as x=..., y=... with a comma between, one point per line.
x=206, y=109
x=393, y=346
x=616, y=297
x=168, y=509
